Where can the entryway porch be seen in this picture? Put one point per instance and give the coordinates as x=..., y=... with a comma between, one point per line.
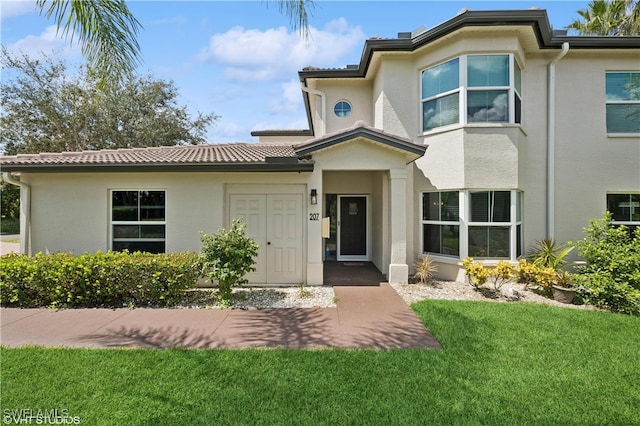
x=352, y=274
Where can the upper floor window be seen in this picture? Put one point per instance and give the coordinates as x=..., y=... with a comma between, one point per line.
x=623, y=102
x=342, y=109
x=138, y=221
x=472, y=89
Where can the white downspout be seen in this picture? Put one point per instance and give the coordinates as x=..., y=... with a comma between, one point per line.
x=323, y=106
x=551, y=141
x=25, y=212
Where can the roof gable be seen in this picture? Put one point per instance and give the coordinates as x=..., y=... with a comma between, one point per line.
x=361, y=130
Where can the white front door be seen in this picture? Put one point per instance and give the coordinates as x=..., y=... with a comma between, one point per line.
x=274, y=221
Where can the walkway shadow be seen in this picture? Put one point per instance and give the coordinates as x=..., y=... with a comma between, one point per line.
x=400, y=331
x=152, y=338
x=268, y=328
x=284, y=328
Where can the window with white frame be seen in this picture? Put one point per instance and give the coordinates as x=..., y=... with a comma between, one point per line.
x=488, y=88
x=441, y=223
x=490, y=227
x=490, y=224
x=623, y=102
x=625, y=209
x=138, y=221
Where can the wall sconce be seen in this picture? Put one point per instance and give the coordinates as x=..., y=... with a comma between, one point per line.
x=314, y=197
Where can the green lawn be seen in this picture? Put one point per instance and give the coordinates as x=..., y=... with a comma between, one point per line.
x=501, y=364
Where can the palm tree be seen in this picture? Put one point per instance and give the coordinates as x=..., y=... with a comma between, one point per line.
x=609, y=18
x=298, y=12
x=108, y=31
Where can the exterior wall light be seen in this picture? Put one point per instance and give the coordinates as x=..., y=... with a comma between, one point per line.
x=314, y=197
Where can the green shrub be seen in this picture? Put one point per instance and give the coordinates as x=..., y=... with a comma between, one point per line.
x=479, y=274
x=111, y=279
x=611, y=276
x=227, y=256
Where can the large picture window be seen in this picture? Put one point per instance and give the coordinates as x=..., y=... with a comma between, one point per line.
x=489, y=228
x=138, y=221
x=489, y=85
x=623, y=102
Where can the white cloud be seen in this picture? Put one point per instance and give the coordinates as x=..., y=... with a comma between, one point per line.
x=255, y=55
x=48, y=42
x=498, y=111
x=294, y=123
x=290, y=99
x=11, y=9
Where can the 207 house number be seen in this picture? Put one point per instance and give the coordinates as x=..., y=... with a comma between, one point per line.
x=314, y=216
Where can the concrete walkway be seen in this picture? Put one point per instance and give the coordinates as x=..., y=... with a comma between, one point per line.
x=7, y=247
x=365, y=317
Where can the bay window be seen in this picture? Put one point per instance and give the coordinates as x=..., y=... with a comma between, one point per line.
x=488, y=86
x=138, y=221
x=489, y=225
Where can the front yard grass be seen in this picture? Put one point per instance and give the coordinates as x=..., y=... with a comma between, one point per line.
x=501, y=364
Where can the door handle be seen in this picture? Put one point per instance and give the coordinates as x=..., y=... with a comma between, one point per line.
x=268, y=243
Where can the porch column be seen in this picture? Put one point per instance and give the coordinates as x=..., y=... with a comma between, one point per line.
x=313, y=218
x=398, y=268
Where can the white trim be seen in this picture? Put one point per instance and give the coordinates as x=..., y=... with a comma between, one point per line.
x=623, y=135
x=111, y=222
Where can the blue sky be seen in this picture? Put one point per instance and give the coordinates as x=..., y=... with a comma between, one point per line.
x=240, y=59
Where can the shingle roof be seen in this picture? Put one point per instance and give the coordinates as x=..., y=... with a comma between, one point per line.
x=212, y=156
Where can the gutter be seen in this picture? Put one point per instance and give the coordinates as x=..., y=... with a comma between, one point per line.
x=323, y=106
x=25, y=212
x=551, y=141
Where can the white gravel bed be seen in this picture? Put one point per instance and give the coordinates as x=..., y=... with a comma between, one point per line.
x=265, y=298
x=284, y=297
x=324, y=297
x=451, y=290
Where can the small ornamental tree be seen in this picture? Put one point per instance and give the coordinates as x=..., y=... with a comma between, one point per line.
x=227, y=256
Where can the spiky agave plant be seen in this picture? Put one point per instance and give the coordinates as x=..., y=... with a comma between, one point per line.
x=425, y=269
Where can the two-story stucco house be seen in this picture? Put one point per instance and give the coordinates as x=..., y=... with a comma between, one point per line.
x=473, y=138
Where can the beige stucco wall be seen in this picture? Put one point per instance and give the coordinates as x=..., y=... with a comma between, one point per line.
x=357, y=93
x=589, y=163
x=283, y=140
x=70, y=212
x=396, y=96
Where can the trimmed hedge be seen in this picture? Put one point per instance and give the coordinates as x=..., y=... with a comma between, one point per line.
x=112, y=279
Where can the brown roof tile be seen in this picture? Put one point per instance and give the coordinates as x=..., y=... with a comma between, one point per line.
x=198, y=154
